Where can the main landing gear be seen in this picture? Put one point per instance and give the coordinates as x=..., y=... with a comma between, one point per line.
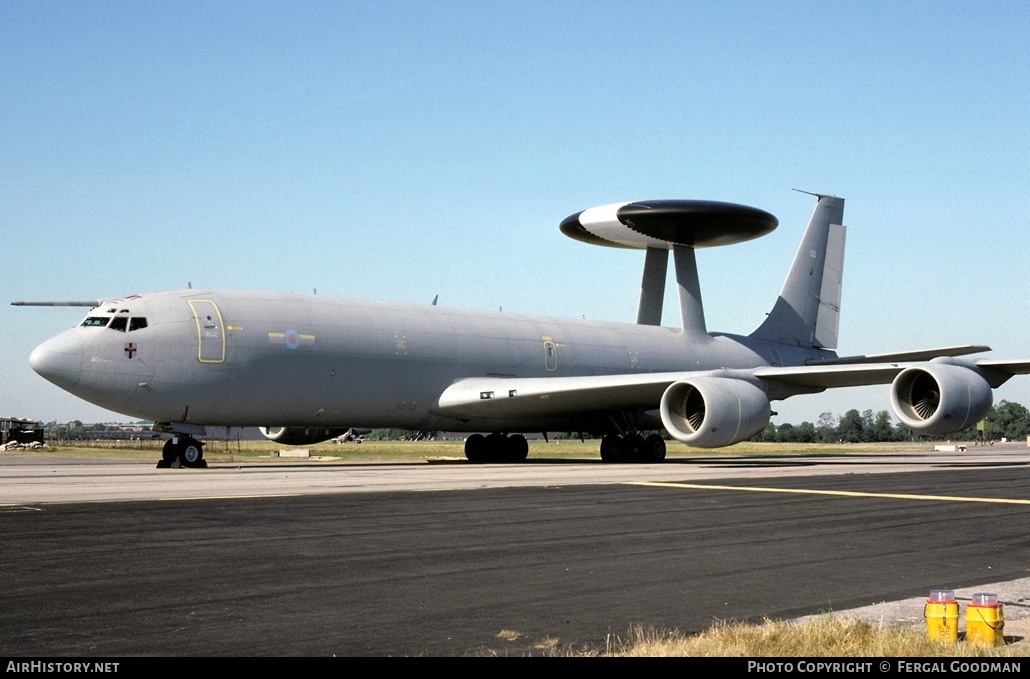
x=182, y=451
x=496, y=448
x=632, y=448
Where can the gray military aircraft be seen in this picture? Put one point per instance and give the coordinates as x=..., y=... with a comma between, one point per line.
x=307, y=368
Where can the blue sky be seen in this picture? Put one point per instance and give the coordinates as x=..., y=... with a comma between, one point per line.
x=402, y=150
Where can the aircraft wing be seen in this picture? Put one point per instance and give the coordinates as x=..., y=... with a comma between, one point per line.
x=553, y=396
x=1010, y=368
x=917, y=355
x=517, y=397
x=824, y=377
x=861, y=374
x=820, y=377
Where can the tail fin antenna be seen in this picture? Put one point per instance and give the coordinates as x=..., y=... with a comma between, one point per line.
x=807, y=312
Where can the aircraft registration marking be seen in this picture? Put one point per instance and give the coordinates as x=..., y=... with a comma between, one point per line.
x=838, y=493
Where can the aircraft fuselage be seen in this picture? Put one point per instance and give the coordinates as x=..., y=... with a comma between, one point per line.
x=244, y=358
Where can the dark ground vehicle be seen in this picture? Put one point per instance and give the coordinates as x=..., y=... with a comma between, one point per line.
x=20, y=430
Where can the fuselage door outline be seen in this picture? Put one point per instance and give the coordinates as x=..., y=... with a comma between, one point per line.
x=210, y=331
x=550, y=355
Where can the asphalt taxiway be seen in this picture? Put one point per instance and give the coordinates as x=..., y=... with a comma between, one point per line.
x=448, y=559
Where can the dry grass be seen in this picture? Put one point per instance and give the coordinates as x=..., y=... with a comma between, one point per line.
x=829, y=636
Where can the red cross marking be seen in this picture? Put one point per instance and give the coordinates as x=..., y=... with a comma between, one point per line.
x=130, y=349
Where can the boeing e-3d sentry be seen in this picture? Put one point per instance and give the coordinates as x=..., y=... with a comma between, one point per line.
x=306, y=368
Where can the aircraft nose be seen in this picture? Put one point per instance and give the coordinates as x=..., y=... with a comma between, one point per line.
x=59, y=359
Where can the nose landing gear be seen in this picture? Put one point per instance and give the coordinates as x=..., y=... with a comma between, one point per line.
x=182, y=451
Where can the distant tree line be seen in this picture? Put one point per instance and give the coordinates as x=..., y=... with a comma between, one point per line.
x=1005, y=420
x=77, y=430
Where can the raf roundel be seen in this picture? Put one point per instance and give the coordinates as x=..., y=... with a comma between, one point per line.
x=665, y=223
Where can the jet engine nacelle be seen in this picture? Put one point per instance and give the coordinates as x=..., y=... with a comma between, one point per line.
x=301, y=436
x=711, y=412
x=940, y=398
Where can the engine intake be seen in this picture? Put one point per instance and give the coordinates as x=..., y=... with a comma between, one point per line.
x=940, y=398
x=711, y=412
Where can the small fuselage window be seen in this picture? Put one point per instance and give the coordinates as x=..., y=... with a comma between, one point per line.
x=95, y=322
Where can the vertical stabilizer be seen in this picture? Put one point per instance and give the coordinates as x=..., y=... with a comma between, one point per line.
x=807, y=311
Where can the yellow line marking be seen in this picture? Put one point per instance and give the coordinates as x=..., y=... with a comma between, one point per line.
x=840, y=493
x=219, y=497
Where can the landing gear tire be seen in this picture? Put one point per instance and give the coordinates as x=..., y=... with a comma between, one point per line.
x=632, y=447
x=192, y=454
x=518, y=448
x=654, y=449
x=182, y=451
x=496, y=447
x=476, y=448
x=168, y=455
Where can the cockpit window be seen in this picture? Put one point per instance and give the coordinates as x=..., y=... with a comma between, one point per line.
x=119, y=323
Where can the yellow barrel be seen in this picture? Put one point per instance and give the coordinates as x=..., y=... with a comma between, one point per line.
x=985, y=621
x=941, y=613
